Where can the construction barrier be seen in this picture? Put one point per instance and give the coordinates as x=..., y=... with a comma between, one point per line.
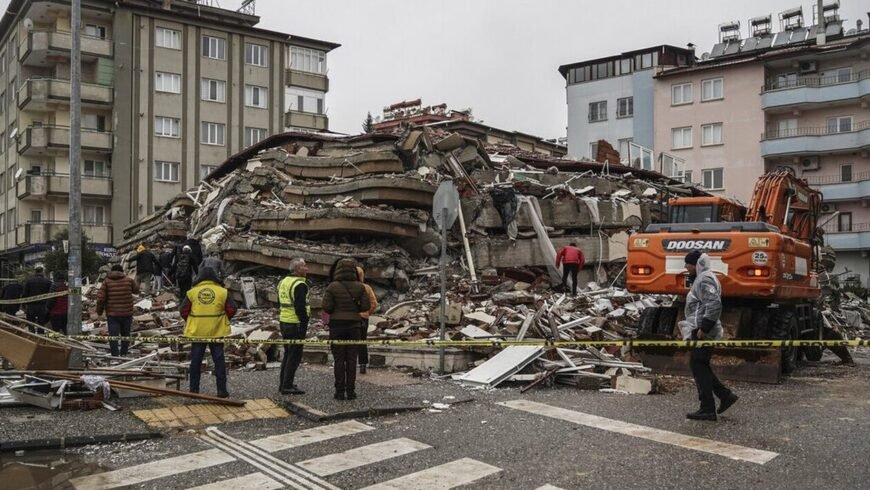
x=486, y=343
x=33, y=299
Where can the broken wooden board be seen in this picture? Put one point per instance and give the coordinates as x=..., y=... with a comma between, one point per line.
x=209, y=414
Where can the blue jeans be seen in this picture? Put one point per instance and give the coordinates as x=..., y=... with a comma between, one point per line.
x=119, y=326
x=197, y=352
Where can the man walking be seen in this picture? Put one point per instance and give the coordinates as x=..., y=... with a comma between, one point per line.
x=116, y=300
x=185, y=270
x=146, y=268
x=57, y=306
x=165, y=261
x=207, y=310
x=703, y=309
x=295, y=312
x=572, y=258
x=35, y=286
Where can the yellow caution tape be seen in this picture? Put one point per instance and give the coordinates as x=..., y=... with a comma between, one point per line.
x=720, y=344
x=33, y=299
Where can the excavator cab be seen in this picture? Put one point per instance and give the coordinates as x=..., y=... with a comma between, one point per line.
x=705, y=210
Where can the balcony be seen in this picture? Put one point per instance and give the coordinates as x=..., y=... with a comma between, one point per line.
x=314, y=81
x=856, y=238
x=38, y=140
x=815, y=140
x=833, y=188
x=41, y=46
x=308, y=120
x=49, y=94
x=45, y=231
x=809, y=91
x=38, y=187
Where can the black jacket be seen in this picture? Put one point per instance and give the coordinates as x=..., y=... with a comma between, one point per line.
x=35, y=286
x=147, y=262
x=13, y=290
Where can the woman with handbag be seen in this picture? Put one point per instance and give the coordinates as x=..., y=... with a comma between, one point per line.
x=345, y=298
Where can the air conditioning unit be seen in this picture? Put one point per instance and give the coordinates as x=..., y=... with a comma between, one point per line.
x=810, y=163
x=807, y=67
x=829, y=207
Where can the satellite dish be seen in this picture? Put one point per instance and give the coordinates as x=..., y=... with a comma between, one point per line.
x=18, y=173
x=28, y=24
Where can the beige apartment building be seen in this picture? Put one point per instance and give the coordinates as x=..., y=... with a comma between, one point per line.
x=169, y=90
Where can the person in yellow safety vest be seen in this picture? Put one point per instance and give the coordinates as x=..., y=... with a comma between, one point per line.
x=293, y=292
x=364, y=329
x=207, y=310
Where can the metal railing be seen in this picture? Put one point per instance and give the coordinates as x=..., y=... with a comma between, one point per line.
x=814, y=81
x=52, y=173
x=836, y=179
x=834, y=227
x=812, y=131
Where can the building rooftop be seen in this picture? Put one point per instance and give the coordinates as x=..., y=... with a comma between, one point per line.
x=689, y=52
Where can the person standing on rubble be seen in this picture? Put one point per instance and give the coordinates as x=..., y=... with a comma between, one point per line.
x=36, y=286
x=703, y=309
x=207, y=310
x=364, y=324
x=116, y=300
x=165, y=261
x=57, y=306
x=572, y=260
x=185, y=269
x=146, y=268
x=293, y=296
x=345, y=298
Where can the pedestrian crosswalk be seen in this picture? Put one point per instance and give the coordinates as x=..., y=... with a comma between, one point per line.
x=271, y=471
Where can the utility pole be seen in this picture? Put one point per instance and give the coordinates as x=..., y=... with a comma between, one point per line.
x=74, y=313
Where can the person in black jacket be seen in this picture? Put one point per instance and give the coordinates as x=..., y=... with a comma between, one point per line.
x=146, y=268
x=11, y=291
x=165, y=260
x=35, y=286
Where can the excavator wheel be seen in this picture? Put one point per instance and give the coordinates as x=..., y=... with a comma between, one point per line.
x=814, y=354
x=785, y=327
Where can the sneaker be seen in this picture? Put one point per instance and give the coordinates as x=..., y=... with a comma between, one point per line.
x=362, y=368
x=351, y=395
x=702, y=415
x=339, y=395
x=223, y=394
x=726, y=403
x=293, y=391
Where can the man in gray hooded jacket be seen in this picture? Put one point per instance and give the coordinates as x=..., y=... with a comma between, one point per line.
x=703, y=309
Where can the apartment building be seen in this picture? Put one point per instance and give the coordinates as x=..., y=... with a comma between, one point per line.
x=169, y=90
x=612, y=99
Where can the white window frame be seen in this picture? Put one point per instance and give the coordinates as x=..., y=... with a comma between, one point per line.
x=165, y=37
x=213, y=133
x=204, y=170
x=261, y=134
x=99, y=168
x=686, y=176
x=712, y=134
x=166, y=171
x=167, y=82
x=167, y=127
x=213, y=90
x=293, y=96
x=307, y=60
x=593, y=149
x=838, y=124
x=681, y=143
x=623, y=145
x=261, y=99
x=214, y=48
x=256, y=54
x=685, y=93
x=711, y=172
x=600, y=111
x=624, y=107
x=711, y=83
x=102, y=31
x=98, y=212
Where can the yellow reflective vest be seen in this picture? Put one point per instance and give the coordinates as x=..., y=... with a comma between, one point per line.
x=208, y=316
x=286, y=293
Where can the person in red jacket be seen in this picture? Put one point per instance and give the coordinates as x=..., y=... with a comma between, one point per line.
x=572, y=258
x=57, y=306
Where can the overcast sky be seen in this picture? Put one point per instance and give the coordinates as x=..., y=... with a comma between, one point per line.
x=499, y=57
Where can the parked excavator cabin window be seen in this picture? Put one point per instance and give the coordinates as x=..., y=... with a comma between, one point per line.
x=692, y=214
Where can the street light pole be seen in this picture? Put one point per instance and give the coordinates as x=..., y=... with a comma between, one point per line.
x=74, y=312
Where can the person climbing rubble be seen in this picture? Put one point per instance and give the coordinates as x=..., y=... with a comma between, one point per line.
x=571, y=259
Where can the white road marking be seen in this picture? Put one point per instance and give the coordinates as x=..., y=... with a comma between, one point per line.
x=212, y=457
x=732, y=451
x=361, y=456
x=253, y=481
x=549, y=487
x=460, y=472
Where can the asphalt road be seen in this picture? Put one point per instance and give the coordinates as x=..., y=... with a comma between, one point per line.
x=813, y=429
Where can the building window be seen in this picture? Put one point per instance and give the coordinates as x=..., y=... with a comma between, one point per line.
x=36, y=216
x=167, y=38
x=681, y=94
x=681, y=137
x=2, y=142
x=204, y=170
x=95, y=168
x=687, y=176
x=256, y=96
x=167, y=82
x=593, y=150
x=165, y=171
x=2, y=222
x=711, y=134
x=303, y=100
x=844, y=222
x=625, y=107
x=712, y=89
x=624, y=145
x=254, y=135
x=256, y=54
x=214, y=90
x=598, y=111
x=2, y=101
x=310, y=60
x=95, y=122
x=713, y=179
x=96, y=31
x=640, y=157
x=93, y=215
x=212, y=133
x=166, y=126
x=846, y=172
x=840, y=124
x=214, y=47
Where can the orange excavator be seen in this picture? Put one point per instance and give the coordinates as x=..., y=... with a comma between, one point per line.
x=765, y=256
